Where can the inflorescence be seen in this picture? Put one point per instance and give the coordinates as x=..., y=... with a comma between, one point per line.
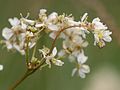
x=25, y=33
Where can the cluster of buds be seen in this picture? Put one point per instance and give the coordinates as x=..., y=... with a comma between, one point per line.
x=25, y=33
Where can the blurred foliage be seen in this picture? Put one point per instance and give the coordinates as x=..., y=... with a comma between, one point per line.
x=56, y=78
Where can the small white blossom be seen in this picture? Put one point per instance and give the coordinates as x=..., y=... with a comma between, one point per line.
x=101, y=36
x=51, y=58
x=42, y=15
x=16, y=36
x=81, y=69
x=74, y=45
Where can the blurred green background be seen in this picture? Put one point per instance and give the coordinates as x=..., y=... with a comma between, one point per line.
x=104, y=63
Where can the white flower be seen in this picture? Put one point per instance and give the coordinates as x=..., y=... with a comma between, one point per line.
x=74, y=45
x=101, y=36
x=16, y=36
x=1, y=67
x=98, y=25
x=81, y=69
x=51, y=58
x=52, y=22
x=42, y=15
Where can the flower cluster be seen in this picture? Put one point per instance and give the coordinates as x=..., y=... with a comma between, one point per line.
x=21, y=35
x=25, y=33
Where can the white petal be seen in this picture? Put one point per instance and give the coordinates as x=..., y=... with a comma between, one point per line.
x=53, y=16
x=54, y=52
x=96, y=20
x=98, y=24
x=31, y=22
x=53, y=27
x=107, y=33
x=57, y=62
x=85, y=69
x=31, y=44
x=23, y=25
x=96, y=37
x=81, y=74
x=74, y=71
x=7, y=33
x=81, y=58
x=9, y=45
x=17, y=47
x=14, y=21
x=53, y=35
x=43, y=11
x=1, y=67
x=84, y=17
x=107, y=39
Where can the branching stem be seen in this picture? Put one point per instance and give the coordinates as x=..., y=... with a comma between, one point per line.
x=31, y=71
